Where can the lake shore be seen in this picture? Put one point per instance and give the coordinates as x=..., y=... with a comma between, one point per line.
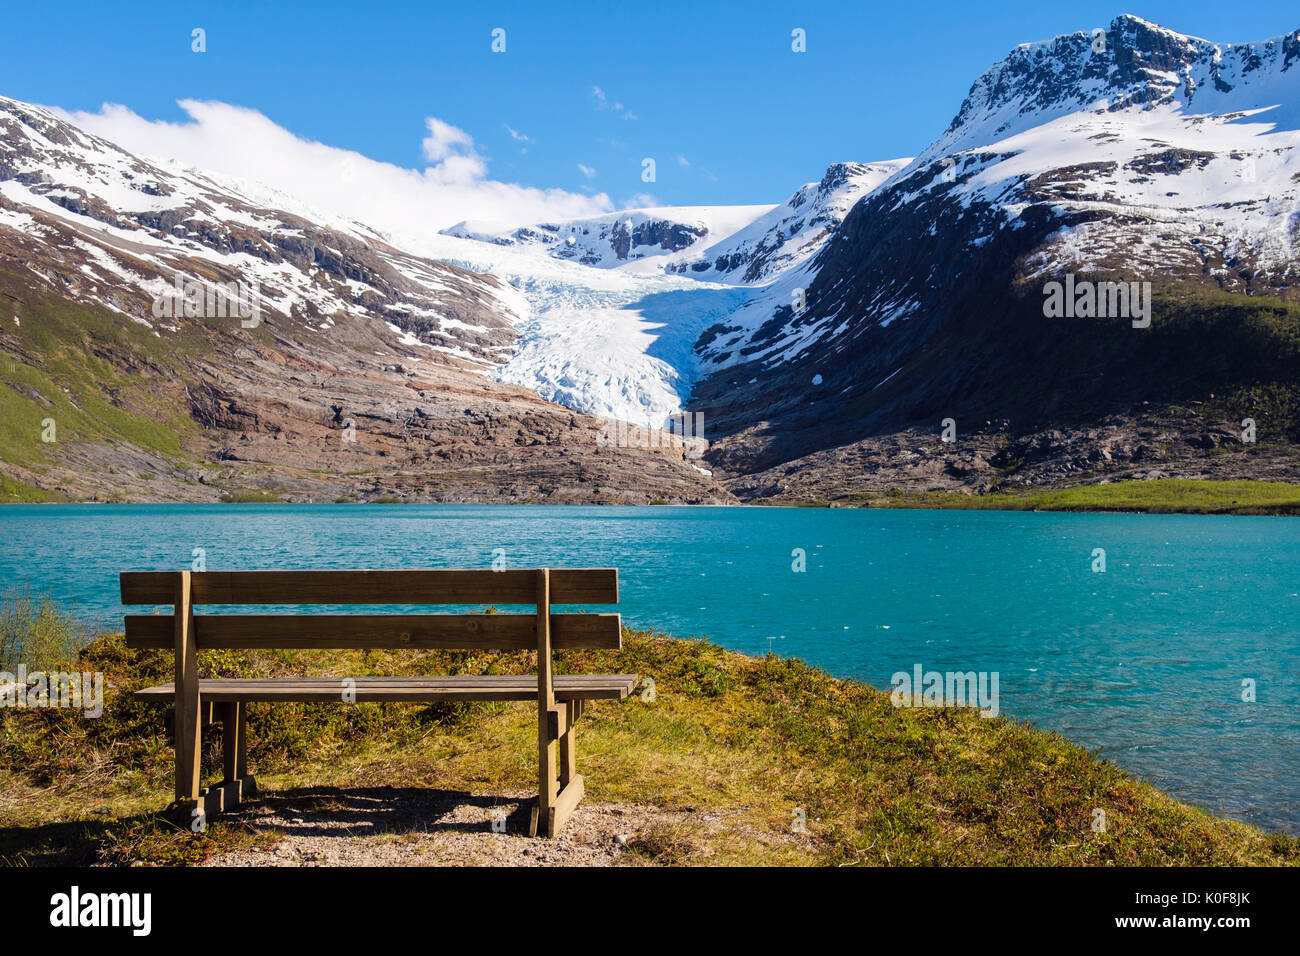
x=1156, y=496
x=732, y=760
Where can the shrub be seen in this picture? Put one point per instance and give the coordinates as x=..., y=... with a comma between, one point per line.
x=36, y=632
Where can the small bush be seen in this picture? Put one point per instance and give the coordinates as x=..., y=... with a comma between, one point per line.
x=36, y=632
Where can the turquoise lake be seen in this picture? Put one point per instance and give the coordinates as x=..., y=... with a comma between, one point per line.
x=1143, y=663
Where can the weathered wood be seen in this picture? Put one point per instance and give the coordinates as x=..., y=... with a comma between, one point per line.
x=232, y=731
x=214, y=801
x=232, y=793
x=568, y=744
x=491, y=687
x=407, y=587
x=547, y=786
x=338, y=631
x=188, y=731
x=241, y=744
x=565, y=803
x=182, y=812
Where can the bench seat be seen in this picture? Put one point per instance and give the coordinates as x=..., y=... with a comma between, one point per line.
x=393, y=689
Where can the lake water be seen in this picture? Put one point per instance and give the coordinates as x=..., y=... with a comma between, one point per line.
x=1143, y=662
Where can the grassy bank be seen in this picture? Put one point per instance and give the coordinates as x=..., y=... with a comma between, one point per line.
x=1156, y=496
x=748, y=741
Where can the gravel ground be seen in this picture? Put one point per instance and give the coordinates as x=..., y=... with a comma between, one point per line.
x=391, y=826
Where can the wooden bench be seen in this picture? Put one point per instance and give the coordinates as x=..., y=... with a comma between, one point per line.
x=560, y=700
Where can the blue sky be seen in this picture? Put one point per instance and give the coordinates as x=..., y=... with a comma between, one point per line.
x=711, y=91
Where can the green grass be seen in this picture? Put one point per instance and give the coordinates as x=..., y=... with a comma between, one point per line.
x=69, y=368
x=13, y=491
x=1155, y=496
x=750, y=740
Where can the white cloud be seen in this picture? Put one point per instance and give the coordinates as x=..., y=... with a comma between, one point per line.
x=601, y=102
x=682, y=160
x=516, y=135
x=445, y=140
x=453, y=153
x=245, y=144
x=587, y=171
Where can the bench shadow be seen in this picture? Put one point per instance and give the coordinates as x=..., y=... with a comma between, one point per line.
x=302, y=811
x=367, y=811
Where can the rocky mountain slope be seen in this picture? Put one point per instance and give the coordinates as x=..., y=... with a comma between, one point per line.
x=165, y=337
x=1142, y=156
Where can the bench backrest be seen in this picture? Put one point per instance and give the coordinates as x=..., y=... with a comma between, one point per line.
x=540, y=587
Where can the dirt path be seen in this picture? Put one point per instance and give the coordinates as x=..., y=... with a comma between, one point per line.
x=390, y=826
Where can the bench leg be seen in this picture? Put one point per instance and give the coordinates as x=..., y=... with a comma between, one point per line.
x=568, y=754
x=571, y=783
x=188, y=721
x=237, y=784
x=547, y=784
x=556, y=800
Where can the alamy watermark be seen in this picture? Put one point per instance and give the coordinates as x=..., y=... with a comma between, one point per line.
x=685, y=430
x=1084, y=299
x=59, y=689
x=923, y=688
x=133, y=911
x=191, y=299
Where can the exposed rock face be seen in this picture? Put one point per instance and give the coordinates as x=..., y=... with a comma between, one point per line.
x=608, y=240
x=302, y=416
x=791, y=233
x=659, y=233
x=996, y=460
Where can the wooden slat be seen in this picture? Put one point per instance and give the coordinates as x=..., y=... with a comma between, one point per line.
x=427, y=586
x=370, y=689
x=337, y=631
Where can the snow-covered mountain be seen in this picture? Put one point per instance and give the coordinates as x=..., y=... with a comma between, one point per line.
x=1135, y=149
x=738, y=245
x=618, y=239
x=104, y=226
x=1161, y=155
x=100, y=225
x=1137, y=154
x=791, y=233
